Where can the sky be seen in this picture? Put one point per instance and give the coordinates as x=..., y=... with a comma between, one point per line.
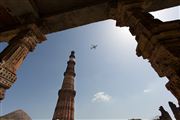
x=111, y=81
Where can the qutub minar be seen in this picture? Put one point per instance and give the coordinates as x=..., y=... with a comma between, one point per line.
x=65, y=105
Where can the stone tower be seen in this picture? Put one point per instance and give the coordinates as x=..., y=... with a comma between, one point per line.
x=65, y=105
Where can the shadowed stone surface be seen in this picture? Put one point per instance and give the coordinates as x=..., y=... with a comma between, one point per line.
x=56, y=15
x=164, y=114
x=175, y=110
x=16, y=115
x=158, y=41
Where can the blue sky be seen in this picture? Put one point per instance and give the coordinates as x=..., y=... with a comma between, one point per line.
x=111, y=82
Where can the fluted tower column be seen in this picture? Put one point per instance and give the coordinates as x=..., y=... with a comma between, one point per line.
x=65, y=105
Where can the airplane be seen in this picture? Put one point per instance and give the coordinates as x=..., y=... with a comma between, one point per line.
x=93, y=47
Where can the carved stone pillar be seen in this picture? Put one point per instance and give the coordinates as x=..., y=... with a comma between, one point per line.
x=13, y=55
x=158, y=41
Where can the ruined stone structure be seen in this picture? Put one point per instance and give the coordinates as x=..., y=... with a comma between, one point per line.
x=164, y=114
x=16, y=115
x=65, y=105
x=158, y=41
x=175, y=110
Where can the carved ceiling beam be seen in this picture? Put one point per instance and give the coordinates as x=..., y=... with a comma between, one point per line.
x=154, y=5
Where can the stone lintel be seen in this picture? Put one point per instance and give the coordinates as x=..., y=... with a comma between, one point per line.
x=154, y=5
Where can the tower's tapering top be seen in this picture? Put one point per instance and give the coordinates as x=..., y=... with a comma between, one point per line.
x=72, y=57
x=72, y=54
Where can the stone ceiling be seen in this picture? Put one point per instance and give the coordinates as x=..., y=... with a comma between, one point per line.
x=56, y=15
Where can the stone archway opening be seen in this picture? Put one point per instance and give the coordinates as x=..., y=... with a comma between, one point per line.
x=158, y=41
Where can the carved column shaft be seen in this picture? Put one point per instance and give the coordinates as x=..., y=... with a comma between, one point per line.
x=158, y=41
x=13, y=55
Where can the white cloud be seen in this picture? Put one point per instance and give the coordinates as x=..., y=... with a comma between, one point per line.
x=101, y=97
x=147, y=90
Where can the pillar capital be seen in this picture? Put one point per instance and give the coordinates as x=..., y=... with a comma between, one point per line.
x=29, y=36
x=121, y=11
x=35, y=31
